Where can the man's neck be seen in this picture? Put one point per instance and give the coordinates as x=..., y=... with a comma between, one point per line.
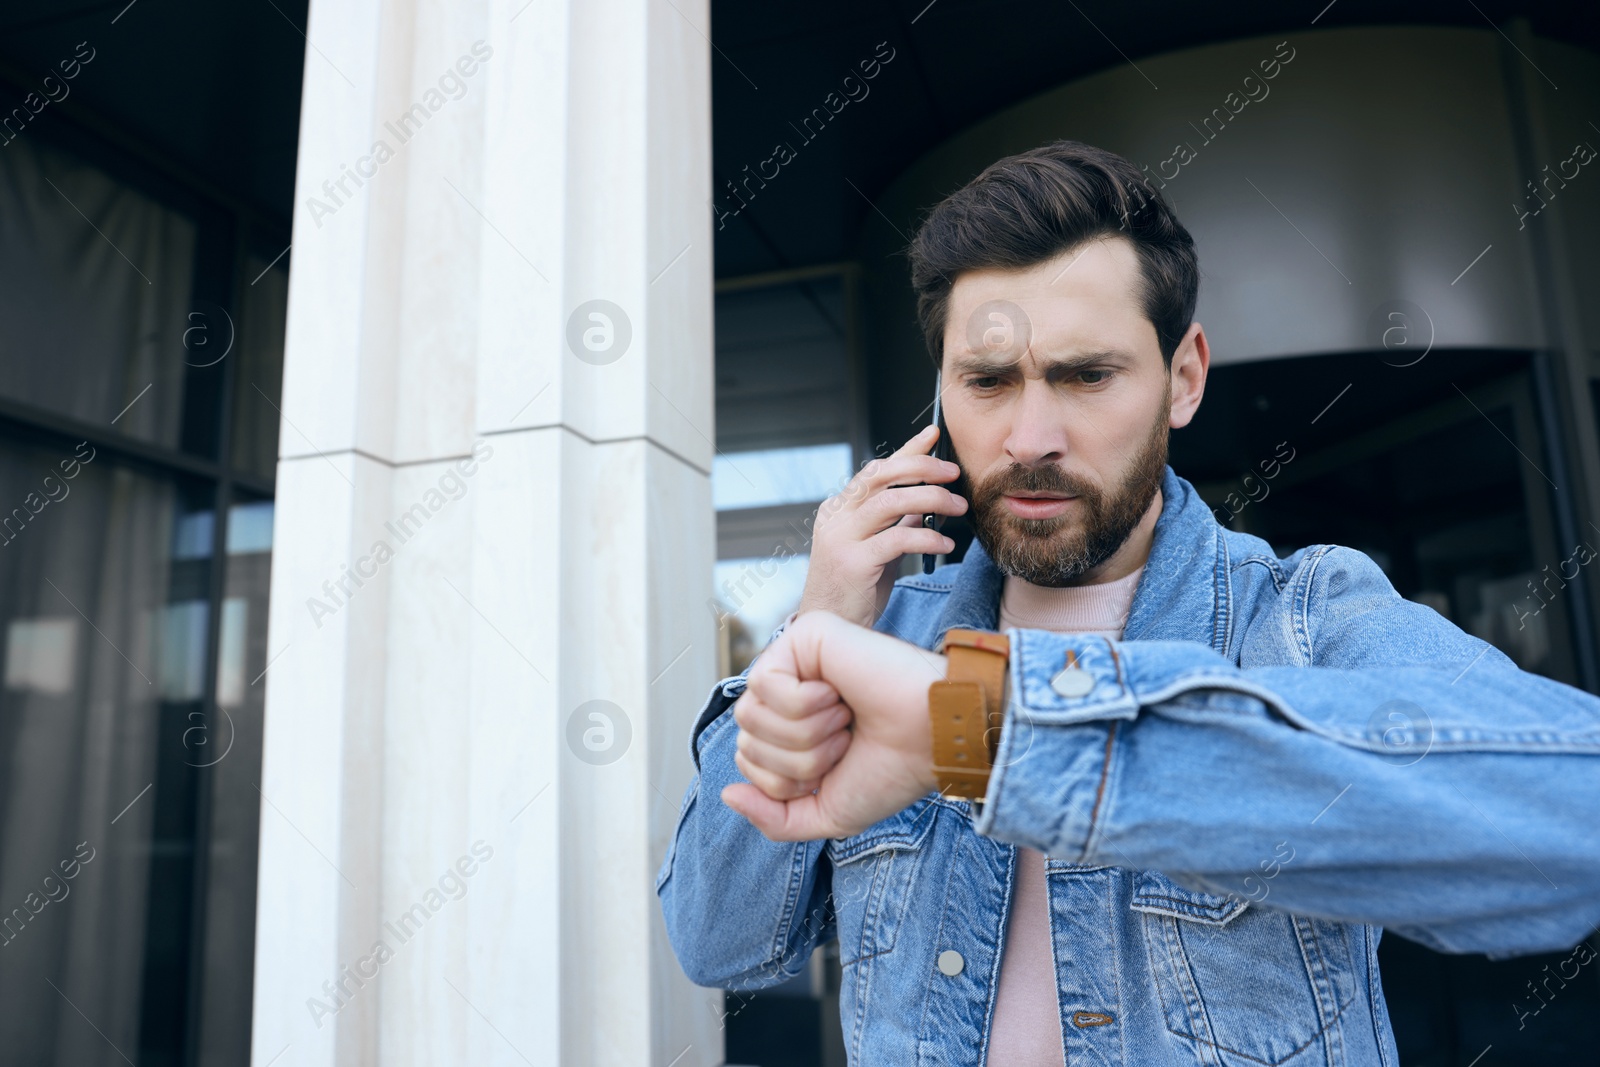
x=1133, y=553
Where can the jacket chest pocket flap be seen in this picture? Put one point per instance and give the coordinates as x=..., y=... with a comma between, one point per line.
x=1253, y=985
x=873, y=874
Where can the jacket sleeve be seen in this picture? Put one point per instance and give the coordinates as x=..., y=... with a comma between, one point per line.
x=742, y=912
x=1406, y=775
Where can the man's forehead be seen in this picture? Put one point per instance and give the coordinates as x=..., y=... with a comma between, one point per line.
x=1107, y=267
x=1060, y=307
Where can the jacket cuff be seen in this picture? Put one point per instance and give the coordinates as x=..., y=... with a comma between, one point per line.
x=1055, y=774
x=722, y=697
x=1053, y=767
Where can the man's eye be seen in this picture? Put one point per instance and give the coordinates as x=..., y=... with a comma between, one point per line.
x=983, y=383
x=1093, y=377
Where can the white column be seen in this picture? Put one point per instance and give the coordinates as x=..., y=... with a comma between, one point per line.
x=475, y=753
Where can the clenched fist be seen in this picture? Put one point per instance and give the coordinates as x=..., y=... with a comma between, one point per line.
x=821, y=675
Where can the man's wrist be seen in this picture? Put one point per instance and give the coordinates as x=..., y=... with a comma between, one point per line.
x=930, y=781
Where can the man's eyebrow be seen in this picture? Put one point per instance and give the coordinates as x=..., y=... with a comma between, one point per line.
x=974, y=363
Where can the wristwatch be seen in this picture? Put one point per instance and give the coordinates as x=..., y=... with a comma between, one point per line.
x=966, y=709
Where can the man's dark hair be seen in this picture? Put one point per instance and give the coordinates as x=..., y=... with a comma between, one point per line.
x=1028, y=208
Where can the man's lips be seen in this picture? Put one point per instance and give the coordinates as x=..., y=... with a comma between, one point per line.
x=1038, y=505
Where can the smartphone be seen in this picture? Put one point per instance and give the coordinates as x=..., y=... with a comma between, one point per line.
x=941, y=450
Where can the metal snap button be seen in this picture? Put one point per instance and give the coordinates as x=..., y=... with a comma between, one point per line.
x=1073, y=682
x=950, y=962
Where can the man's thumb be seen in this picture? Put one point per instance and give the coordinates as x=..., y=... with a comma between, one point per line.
x=778, y=820
x=754, y=805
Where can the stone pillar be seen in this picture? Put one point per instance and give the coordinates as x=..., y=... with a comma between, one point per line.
x=494, y=537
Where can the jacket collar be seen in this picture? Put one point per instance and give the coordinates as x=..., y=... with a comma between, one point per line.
x=1182, y=594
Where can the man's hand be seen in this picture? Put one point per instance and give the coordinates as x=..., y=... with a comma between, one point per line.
x=785, y=754
x=867, y=773
x=860, y=534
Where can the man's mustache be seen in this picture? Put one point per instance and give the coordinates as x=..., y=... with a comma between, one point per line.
x=1045, y=479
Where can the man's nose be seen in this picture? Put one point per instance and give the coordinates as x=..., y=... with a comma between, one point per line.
x=1038, y=427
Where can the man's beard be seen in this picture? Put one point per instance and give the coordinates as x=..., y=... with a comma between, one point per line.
x=1058, y=551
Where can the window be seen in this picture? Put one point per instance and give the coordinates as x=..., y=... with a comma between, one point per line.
x=788, y=433
x=138, y=376
x=779, y=476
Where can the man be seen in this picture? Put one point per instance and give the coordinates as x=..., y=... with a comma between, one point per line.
x=1218, y=773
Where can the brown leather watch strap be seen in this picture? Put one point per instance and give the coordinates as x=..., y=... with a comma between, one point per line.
x=961, y=759
x=966, y=709
x=980, y=656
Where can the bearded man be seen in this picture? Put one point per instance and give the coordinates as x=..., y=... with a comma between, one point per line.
x=1122, y=786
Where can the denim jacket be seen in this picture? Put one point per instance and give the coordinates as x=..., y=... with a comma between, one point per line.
x=1279, y=758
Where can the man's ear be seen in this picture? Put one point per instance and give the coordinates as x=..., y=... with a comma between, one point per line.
x=1187, y=374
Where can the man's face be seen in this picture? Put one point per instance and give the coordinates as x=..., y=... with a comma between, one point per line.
x=1058, y=406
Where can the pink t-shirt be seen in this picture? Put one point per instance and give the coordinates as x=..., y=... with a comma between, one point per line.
x=1027, y=1014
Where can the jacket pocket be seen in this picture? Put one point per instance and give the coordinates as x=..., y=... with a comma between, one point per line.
x=873, y=873
x=1246, y=985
